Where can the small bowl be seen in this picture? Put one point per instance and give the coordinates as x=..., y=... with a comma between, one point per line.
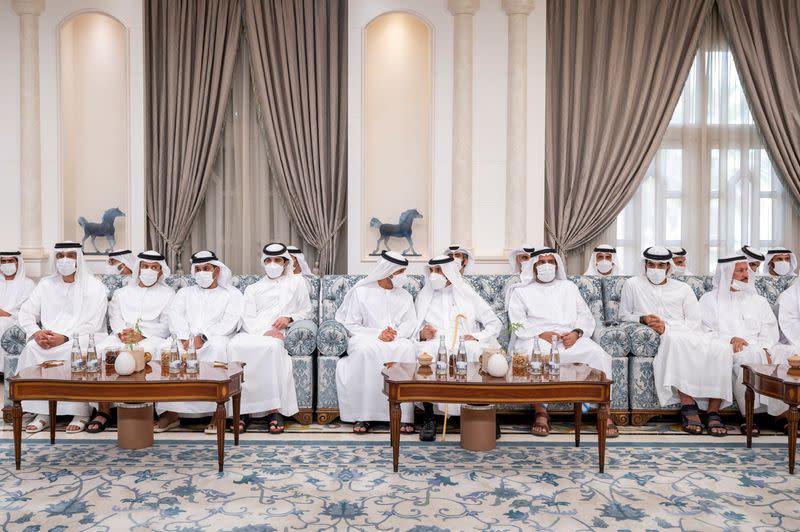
x=794, y=361
x=425, y=359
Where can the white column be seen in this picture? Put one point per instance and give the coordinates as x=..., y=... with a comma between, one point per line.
x=463, y=12
x=30, y=136
x=517, y=141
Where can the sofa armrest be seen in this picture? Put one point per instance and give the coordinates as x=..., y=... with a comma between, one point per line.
x=613, y=339
x=13, y=340
x=301, y=338
x=644, y=341
x=332, y=338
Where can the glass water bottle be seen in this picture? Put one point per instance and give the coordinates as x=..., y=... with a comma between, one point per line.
x=192, y=364
x=441, y=358
x=461, y=358
x=92, y=360
x=174, y=357
x=77, y=363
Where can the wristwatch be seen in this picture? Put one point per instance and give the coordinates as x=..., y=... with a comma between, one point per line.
x=204, y=338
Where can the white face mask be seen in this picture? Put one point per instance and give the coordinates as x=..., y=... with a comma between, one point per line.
x=66, y=266
x=678, y=270
x=741, y=286
x=148, y=277
x=437, y=281
x=273, y=270
x=112, y=269
x=204, y=279
x=604, y=266
x=656, y=275
x=8, y=269
x=399, y=280
x=546, y=273
x=783, y=268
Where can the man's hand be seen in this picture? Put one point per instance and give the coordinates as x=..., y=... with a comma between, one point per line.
x=55, y=339
x=281, y=323
x=470, y=338
x=42, y=338
x=274, y=333
x=738, y=344
x=388, y=335
x=198, y=342
x=129, y=336
x=185, y=344
x=4, y=314
x=427, y=332
x=569, y=339
x=655, y=323
x=547, y=335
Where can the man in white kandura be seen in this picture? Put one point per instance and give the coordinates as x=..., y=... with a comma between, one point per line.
x=120, y=263
x=741, y=324
x=780, y=261
x=604, y=261
x=683, y=370
x=518, y=257
x=208, y=314
x=789, y=324
x=271, y=305
x=299, y=264
x=15, y=287
x=547, y=305
x=755, y=258
x=445, y=298
x=71, y=303
x=679, y=262
x=138, y=314
x=461, y=255
x=379, y=316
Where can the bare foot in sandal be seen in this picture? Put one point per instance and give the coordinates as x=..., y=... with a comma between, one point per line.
x=541, y=423
x=407, y=428
x=361, y=427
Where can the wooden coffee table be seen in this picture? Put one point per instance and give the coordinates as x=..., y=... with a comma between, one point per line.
x=53, y=384
x=578, y=383
x=773, y=381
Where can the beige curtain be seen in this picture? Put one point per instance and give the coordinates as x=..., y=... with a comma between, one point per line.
x=243, y=209
x=764, y=37
x=615, y=72
x=299, y=65
x=190, y=47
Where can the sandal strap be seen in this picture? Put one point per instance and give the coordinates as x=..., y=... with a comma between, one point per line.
x=106, y=417
x=713, y=416
x=690, y=410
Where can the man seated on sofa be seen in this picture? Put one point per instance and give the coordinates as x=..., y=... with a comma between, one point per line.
x=789, y=325
x=271, y=305
x=547, y=305
x=379, y=316
x=299, y=264
x=755, y=258
x=604, y=261
x=518, y=257
x=15, y=287
x=679, y=262
x=780, y=261
x=461, y=255
x=682, y=368
x=445, y=298
x=741, y=324
x=120, y=263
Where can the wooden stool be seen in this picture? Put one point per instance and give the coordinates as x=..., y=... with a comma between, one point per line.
x=478, y=427
x=134, y=425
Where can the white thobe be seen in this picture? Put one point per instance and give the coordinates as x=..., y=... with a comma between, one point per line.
x=269, y=380
x=556, y=306
x=441, y=314
x=789, y=324
x=684, y=360
x=52, y=304
x=12, y=295
x=213, y=312
x=149, y=306
x=359, y=384
x=747, y=316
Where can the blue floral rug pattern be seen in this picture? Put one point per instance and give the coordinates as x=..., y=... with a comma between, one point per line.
x=344, y=485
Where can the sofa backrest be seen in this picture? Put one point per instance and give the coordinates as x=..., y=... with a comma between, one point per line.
x=769, y=287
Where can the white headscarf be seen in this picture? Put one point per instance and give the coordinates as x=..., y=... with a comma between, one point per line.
x=150, y=256
x=779, y=251
x=463, y=293
x=16, y=286
x=723, y=275
x=754, y=255
x=296, y=253
x=276, y=249
x=456, y=248
x=388, y=263
x=83, y=277
x=202, y=257
x=616, y=266
x=512, y=258
x=527, y=276
x=656, y=254
x=678, y=252
x=125, y=256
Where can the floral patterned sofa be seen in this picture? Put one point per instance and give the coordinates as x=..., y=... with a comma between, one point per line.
x=332, y=336
x=644, y=341
x=300, y=341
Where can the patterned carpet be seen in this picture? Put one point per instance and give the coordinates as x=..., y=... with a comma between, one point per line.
x=80, y=484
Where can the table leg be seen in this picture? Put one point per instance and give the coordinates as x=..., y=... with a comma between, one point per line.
x=237, y=401
x=602, y=420
x=792, y=418
x=220, y=418
x=394, y=416
x=749, y=401
x=578, y=407
x=16, y=414
x=52, y=407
